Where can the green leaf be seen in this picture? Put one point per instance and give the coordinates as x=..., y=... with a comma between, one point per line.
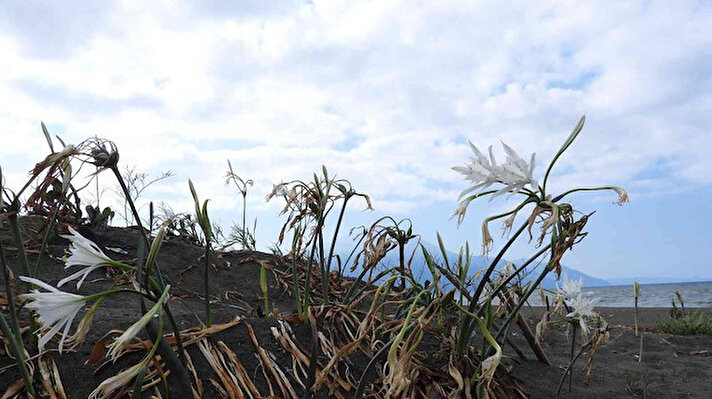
x=47, y=136
x=443, y=251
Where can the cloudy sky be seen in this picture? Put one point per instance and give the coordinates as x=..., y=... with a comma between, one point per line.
x=385, y=94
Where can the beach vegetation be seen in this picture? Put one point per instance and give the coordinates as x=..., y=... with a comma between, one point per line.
x=694, y=322
x=385, y=313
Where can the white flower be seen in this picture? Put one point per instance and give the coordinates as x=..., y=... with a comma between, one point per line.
x=515, y=173
x=120, y=343
x=84, y=252
x=56, y=309
x=582, y=309
x=571, y=289
x=481, y=172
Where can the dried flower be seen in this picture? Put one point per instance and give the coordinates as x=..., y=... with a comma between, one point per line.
x=486, y=238
x=120, y=343
x=622, y=196
x=123, y=379
x=277, y=189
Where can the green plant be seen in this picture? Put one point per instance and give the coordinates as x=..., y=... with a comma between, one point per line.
x=695, y=322
x=97, y=217
x=682, y=303
x=201, y=215
x=556, y=219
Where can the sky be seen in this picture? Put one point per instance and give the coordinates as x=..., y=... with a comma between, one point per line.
x=386, y=95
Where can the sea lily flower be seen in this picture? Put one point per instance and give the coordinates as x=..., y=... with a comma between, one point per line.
x=84, y=252
x=481, y=171
x=56, y=310
x=582, y=309
x=570, y=290
x=515, y=173
x=116, y=347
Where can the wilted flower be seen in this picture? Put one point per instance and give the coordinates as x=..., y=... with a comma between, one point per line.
x=622, y=195
x=489, y=365
x=582, y=309
x=486, y=238
x=120, y=343
x=124, y=378
x=84, y=252
x=277, y=189
x=460, y=211
x=54, y=158
x=56, y=309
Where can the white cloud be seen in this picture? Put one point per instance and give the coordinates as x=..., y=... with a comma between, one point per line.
x=383, y=93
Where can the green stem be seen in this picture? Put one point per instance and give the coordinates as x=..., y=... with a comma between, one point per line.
x=15, y=224
x=295, y=271
x=571, y=355
x=401, y=267
x=564, y=194
x=10, y=295
x=208, y=317
x=571, y=364
x=244, y=227
x=336, y=233
x=467, y=328
x=18, y=352
x=522, y=301
x=322, y=266
x=516, y=272
x=45, y=239
x=181, y=375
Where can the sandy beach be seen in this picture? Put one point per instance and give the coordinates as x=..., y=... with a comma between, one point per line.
x=672, y=366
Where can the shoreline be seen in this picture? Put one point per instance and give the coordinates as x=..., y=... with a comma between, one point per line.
x=622, y=316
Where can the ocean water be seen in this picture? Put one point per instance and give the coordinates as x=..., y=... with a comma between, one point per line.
x=695, y=295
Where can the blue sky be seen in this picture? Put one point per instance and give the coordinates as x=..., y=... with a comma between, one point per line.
x=385, y=94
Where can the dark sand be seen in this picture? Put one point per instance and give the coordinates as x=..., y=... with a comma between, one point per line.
x=668, y=369
x=672, y=366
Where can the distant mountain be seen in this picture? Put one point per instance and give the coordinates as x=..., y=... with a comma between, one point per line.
x=656, y=280
x=572, y=274
x=422, y=273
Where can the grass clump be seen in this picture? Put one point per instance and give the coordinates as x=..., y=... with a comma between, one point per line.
x=690, y=323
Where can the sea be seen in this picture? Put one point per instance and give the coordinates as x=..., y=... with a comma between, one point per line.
x=694, y=295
